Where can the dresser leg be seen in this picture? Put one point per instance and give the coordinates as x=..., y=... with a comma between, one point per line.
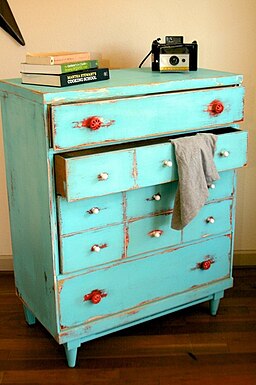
x=29, y=317
x=71, y=352
x=214, y=303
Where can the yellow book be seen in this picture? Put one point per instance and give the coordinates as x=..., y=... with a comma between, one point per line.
x=56, y=57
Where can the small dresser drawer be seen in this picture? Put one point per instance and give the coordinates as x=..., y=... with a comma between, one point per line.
x=150, y=200
x=91, y=248
x=231, y=152
x=213, y=218
x=159, y=199
x=118, y=120
x=84, y=174
x=89, y=213
x=135, y=283
x=151, y=233
x=223, y=187
x=93, y=175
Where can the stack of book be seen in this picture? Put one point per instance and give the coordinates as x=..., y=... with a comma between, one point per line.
x=61, y=69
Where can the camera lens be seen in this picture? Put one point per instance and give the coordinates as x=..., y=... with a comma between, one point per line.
x=174, y=60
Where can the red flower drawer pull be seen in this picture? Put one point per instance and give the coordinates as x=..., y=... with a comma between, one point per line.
x=205, y=265
x=94, y=123
x=95, y=296
x=216, y=107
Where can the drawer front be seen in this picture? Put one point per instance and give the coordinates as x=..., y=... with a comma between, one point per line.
x=136, y=283
x=160, y=198
x=231, y=152
x=95, y=175
x=223, y=187
x=78, y=175
x=139, y=117
x=91, y=248
x=151, y=233
x=213, y=218
x=89, y=213
x=150, y=200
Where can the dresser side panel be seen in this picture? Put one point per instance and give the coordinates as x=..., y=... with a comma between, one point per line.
x=29, y=184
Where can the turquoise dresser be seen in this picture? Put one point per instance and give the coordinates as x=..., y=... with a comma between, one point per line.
x=92, y=177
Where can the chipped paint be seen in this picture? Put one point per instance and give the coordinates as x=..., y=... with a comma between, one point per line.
x=126, y=238
x=135, y=167
x=132, y=312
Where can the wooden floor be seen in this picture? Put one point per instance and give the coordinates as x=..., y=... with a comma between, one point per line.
x=187, y=347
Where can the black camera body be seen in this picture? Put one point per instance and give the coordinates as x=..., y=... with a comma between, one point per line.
x=174, y=55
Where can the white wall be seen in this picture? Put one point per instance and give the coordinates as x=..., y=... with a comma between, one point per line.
x=122, y=31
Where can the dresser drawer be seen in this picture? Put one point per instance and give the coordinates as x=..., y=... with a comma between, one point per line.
x=89, y=213
x=91, y=248
x=138, y=283
x=230, y=153
x=223, y=187
x=150, y=200
x=84, y=174
x=160, y=198
x=213, y=218
x=119, y=120
x=151, y=233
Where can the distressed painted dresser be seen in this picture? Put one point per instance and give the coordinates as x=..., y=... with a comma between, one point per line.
x=92, y=176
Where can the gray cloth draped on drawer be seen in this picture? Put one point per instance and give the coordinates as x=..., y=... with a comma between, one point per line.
x=197, y=171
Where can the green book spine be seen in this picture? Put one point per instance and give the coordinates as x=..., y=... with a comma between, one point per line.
x=79, y=66
x=87, y=76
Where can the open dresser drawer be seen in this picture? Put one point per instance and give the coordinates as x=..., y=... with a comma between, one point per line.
x=96, y=172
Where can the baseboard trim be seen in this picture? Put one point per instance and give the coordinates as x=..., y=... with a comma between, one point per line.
x=6, y=263
x=241, y=258
x=245, y=258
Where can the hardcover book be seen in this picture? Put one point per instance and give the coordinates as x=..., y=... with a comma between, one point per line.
x=69, y=79
x=58, y=68
x=56, y=57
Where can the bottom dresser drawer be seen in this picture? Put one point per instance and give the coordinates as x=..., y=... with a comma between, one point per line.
x=133, y=283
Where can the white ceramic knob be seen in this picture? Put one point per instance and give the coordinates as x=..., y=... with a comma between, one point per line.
x=156, y=233
x=168, y=163
x=156, y=197
x=94, y=210
x=210, y=220
x=224, y=153
x=96, y=248
x=103, y=176
x=212, y=186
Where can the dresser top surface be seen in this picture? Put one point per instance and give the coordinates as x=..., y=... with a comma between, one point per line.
x=123, y=83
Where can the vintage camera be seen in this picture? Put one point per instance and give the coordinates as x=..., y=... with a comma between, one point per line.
x=173, y=55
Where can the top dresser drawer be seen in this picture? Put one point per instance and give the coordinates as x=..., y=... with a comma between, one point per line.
x=123, y=119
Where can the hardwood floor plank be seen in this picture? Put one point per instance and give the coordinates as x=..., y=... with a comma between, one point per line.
x=60, y=376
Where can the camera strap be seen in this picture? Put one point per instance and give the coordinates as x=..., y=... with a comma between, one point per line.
x=145, y=58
